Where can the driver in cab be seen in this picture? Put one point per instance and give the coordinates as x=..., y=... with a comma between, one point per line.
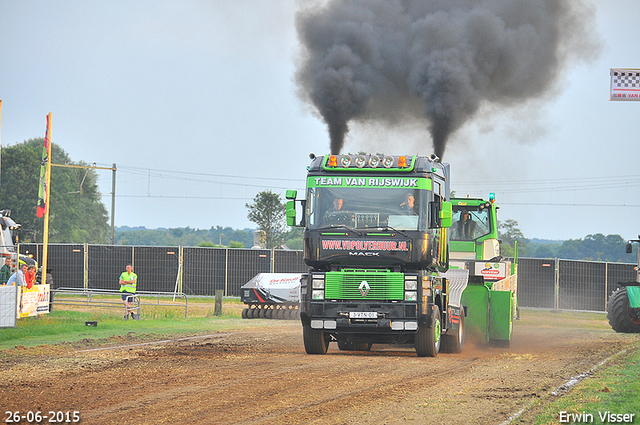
x=335, y=207
x=465, y=227
x=408, y=206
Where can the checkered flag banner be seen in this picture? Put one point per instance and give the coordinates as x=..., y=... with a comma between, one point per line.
x=625, y=84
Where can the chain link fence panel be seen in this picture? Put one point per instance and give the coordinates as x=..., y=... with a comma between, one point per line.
x=204, y=270
x=536, y=283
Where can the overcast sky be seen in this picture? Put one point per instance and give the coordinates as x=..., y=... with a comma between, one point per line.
x=195, y=102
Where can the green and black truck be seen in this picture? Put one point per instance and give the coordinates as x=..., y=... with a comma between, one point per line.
x=376, y=240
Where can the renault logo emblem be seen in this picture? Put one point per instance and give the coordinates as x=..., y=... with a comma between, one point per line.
x=364, y=288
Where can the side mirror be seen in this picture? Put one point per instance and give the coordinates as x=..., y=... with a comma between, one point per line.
x=291, y=213
x=446, y=214
x=629, y=248
x=291, y=194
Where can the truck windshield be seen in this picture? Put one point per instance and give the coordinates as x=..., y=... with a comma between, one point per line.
x=470, y=223
x=361, y=208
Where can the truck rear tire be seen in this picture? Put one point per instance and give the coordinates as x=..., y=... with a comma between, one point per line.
x=618, y=313
x=315, y=341
x=427, y=340
x=454, y=342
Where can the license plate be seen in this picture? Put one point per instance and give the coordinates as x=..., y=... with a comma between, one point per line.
x=363, y=315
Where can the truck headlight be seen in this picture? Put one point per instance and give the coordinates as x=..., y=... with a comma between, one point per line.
x=387, y=161
x=411, y=296
x=317, y=294
x=410, y=285
x=317, y=284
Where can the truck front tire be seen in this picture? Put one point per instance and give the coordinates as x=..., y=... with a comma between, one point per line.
x=427, y=340
x=315, y=341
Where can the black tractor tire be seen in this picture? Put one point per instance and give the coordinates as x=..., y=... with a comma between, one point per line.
x=427, y=339
x=618, y=313
x=245, y=311
x=315, y=341
x=454, y=342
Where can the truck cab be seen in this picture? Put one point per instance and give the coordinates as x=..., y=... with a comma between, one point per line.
x=376, y=242
x=474, y=230
x=9, y=231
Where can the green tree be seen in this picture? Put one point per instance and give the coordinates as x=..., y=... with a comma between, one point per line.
x=293, y=238
x=268, y=212
x=509, y=233
x=76, y=215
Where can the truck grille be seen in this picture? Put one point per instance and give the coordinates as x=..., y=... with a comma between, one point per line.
x=383, y=285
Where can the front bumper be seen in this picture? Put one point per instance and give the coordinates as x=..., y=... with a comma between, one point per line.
x=357, y=317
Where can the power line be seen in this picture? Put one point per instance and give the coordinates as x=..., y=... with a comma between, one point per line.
x=158, y=172
x=541, y=204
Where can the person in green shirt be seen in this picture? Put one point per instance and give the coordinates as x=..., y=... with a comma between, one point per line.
x=128, y=282
x=5, y=272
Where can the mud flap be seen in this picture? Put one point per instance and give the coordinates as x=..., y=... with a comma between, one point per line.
x=476, y=299
x=500, y=321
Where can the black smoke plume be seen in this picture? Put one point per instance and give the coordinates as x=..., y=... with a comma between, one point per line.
x=438, y=61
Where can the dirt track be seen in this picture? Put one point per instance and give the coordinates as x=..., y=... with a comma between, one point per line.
x=260, y=374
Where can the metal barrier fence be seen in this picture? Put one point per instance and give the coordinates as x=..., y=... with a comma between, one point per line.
x=106, y=298
x=542, y=283
x=192, y=270
x=569, y=284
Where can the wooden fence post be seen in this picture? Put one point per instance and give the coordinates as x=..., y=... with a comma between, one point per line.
x=218, y=309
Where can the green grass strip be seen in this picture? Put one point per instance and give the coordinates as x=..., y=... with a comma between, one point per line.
x=67, y=325
x=612, y=392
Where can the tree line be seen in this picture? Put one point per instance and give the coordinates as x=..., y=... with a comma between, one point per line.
x=595, y=247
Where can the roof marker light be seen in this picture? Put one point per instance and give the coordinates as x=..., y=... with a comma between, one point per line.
x=402, y=161
x=333, y=161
